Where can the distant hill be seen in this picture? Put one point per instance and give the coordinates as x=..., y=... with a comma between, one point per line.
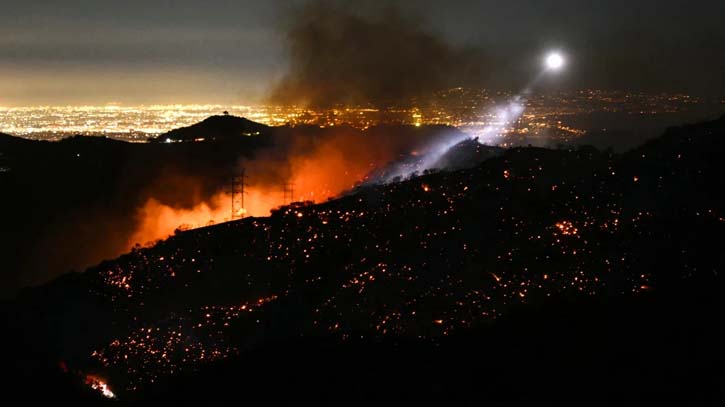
x=216, y=128
x=6, y=139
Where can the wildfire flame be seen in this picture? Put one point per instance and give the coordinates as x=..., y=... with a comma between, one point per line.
x=318, y=173
x=99, y=384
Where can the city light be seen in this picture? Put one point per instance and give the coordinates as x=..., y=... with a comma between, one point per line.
x=474, y=111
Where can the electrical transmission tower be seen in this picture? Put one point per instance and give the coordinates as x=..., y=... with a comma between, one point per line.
x=289, y=193
x=238, y=183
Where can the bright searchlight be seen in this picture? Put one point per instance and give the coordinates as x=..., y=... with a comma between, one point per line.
x=554, y=61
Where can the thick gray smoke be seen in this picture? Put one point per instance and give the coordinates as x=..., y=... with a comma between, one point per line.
x=380, y=57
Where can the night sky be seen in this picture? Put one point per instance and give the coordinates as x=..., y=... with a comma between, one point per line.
x=186, y=51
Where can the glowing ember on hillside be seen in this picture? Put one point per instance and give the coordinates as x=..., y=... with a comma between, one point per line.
x=99, y=384
x=566, y=228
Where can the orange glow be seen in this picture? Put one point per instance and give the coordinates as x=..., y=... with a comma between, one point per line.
x=334, y=166
x=159, y=221
x=319, y=170
x=99, y=384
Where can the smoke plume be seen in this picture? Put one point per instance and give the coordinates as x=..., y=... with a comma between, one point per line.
x=381, y=58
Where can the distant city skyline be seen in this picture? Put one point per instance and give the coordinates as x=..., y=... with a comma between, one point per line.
x=545, y=118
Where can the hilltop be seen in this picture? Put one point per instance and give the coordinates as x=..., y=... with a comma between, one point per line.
x=216, y=128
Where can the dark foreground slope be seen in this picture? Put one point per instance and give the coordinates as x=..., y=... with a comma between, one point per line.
x=541, y=276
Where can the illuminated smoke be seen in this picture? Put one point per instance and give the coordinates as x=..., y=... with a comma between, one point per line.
x=504, y=117
x=319, y=163
x=373, y=56
x=501, y=118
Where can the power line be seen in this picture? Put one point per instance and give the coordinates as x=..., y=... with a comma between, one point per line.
x=289, y=193
x=238, y=184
